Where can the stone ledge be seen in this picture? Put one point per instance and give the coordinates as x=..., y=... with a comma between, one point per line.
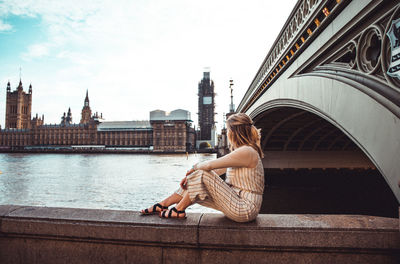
x=28, y=232
x=303, y=231
x=97, y=224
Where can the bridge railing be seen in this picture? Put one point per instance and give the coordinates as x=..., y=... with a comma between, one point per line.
x=304, y=23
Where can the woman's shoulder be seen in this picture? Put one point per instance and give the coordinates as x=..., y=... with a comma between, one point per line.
x=249, y=153
x=247, y=149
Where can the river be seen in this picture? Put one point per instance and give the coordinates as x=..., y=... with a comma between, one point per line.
x=97, y=181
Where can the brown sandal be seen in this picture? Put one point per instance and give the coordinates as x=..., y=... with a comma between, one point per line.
x=154, y=211
x=163, y=214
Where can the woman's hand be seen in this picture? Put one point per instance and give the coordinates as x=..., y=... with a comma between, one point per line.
x=183, y=183
x=190, y=171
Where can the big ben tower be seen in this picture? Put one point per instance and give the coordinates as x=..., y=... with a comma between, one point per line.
x=206, y=107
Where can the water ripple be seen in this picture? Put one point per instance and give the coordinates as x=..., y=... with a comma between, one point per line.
x=98, y=181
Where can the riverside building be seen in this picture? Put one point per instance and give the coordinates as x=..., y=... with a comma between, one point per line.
x=164, y=132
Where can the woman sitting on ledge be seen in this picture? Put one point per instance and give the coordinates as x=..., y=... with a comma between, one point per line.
x=240, y=196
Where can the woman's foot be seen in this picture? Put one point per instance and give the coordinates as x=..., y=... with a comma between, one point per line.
x=173, y=213
x=155, y=209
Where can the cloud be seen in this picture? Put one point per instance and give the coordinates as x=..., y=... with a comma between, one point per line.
x=144, y=54
x=5, y=26
x=36, y=51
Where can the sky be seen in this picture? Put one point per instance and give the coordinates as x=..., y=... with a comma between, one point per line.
x=133, y=56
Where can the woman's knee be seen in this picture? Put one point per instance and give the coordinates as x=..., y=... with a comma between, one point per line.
x=195, y=175
x=198, y=173
x=207, y=177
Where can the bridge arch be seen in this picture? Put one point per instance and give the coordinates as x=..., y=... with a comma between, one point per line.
x=299, y=139
x=363, y=118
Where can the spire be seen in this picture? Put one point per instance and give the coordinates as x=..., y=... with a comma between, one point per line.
x=30, y=88
x=66, y=119
x=231, y=106
x=20, y=85
x=87, y=98
x=8, y=86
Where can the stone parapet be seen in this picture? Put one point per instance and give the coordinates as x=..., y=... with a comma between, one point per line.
x=67, y=235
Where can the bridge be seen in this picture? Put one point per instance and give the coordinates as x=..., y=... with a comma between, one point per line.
x=327, y=100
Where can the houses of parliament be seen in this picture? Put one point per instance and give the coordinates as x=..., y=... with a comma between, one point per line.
x=164, y=132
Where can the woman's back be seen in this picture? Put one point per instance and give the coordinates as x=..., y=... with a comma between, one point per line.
x=247, y=179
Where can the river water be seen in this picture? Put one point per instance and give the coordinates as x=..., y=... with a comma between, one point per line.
x=97, y=181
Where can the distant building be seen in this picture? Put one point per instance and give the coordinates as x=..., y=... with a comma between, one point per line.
x=207, y=133
x=66, y=120
x=137, y=134
x=165, y=132
x=206, y=107
x=18, y=107
x=172, y=131
x=86, y=111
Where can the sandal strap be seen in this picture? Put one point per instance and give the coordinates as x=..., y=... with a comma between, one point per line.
x=176, y=211
x=173, y=209
x=160, y=206
x=170, y=212
x=155, y=207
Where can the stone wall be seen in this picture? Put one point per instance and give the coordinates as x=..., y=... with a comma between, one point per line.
x=66, y=235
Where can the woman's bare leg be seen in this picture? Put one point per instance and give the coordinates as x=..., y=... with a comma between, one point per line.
x=184, y=202
x=172, y=199
x=181, y=206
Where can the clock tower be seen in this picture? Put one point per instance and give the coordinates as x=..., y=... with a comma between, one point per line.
x=206, y=107
x=86, y=111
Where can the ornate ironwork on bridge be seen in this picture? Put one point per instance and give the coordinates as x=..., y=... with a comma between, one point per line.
x=360, y=52
x=365, y=55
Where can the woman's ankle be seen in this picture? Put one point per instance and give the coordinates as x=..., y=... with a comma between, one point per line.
x=180, y=208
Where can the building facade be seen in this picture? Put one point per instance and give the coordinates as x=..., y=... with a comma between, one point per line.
x=165, y=132
x=172, y=131
x=18, y=107
x=137, y=134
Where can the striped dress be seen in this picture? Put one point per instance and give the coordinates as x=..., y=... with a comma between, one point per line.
x=239, y=197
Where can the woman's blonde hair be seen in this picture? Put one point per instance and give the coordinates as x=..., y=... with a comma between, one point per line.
x=243, y=132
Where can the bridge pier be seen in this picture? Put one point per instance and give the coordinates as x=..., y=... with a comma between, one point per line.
x=67, y=235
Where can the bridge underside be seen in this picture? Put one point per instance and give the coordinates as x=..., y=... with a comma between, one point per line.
x=294, y=138
x=311, y=166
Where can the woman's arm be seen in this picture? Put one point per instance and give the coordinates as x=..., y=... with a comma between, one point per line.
x=244, y=156
x=220, y=171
